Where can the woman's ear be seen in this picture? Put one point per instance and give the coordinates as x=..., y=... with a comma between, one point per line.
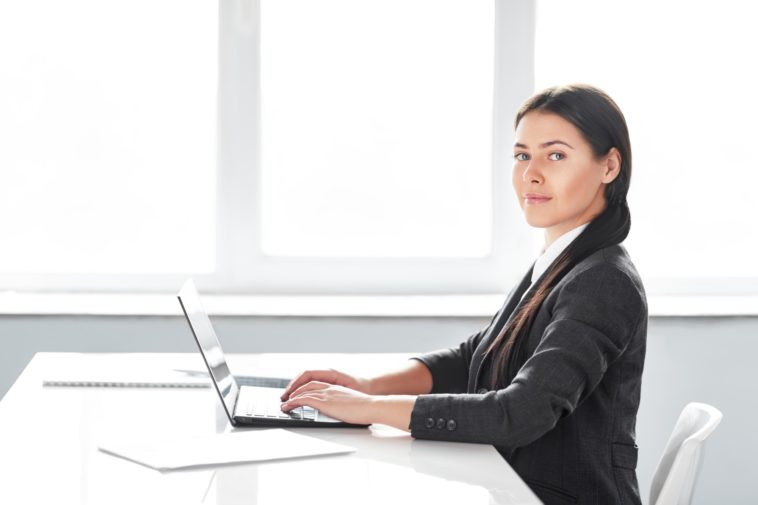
x=611, y=165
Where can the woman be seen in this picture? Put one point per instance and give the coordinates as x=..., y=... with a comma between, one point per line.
x=553, y=382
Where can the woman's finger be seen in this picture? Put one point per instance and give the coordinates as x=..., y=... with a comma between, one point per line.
x=310, y=386
x=302, y=378
x=314, y=400
x=306, y=377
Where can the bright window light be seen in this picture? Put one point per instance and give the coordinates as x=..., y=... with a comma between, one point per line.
x=683, y=74
x=377, y=127
x=107, y=136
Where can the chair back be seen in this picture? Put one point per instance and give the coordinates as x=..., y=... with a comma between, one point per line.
x=675, y=477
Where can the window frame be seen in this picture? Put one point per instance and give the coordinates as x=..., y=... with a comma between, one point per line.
x=242, y=266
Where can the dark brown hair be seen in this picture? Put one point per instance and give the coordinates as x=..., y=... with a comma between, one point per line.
x=602, y=124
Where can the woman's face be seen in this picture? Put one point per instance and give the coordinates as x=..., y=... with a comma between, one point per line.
x=554, y=164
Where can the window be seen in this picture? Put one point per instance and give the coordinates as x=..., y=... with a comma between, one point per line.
x=367, y=166
x=107, y=138
x=376, y=128
x=364, y=147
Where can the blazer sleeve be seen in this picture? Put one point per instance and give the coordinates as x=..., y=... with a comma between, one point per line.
x=594, y=318
x=450, y=367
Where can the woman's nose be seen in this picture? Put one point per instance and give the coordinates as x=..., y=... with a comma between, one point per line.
x=532, y=172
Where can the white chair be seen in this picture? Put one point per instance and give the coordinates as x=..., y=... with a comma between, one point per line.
x=677, y=472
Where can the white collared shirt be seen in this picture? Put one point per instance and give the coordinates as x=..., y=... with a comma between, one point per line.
x=547, y=256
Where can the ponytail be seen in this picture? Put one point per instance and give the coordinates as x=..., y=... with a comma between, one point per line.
x=609, y=228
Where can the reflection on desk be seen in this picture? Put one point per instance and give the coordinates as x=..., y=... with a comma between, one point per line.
x=49, y=442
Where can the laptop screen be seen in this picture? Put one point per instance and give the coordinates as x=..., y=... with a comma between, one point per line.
x=209, y=345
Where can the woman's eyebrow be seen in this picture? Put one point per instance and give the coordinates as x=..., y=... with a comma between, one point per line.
x=544, y=144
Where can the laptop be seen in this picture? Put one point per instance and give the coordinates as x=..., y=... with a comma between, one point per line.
x=257, y=404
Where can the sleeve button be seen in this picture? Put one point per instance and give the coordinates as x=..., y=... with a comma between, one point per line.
x=441, y=423
x=451, y=425
x=429, y=422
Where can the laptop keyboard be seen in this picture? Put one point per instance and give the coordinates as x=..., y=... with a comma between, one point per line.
x=273, y=410
x=259, y=402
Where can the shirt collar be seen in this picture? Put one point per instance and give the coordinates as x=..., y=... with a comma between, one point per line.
x=556, y=248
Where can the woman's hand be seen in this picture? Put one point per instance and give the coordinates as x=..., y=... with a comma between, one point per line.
x=335, y=401
x=353, y=406
x=329, y=376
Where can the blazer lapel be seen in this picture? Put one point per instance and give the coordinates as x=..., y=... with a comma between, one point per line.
x=512, y=302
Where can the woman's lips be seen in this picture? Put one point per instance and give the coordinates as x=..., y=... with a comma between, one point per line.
x=534, y=199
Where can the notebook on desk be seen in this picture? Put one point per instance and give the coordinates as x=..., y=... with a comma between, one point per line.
x=177, y=378
x=113, y=373
x=244, y=405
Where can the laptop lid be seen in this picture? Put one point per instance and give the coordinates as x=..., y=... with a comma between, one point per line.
x=207, y=341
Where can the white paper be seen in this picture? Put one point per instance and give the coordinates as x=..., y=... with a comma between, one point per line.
x=235, y=447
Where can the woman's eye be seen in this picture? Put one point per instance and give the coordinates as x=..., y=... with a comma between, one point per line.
x=521, y=156
x=560, y=156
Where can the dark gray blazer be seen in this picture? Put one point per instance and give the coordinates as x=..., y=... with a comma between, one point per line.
x=566, y=423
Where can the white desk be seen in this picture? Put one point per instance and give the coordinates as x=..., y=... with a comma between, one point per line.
x=49, y=436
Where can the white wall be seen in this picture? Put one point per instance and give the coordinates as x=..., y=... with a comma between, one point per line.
x=688, y=359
